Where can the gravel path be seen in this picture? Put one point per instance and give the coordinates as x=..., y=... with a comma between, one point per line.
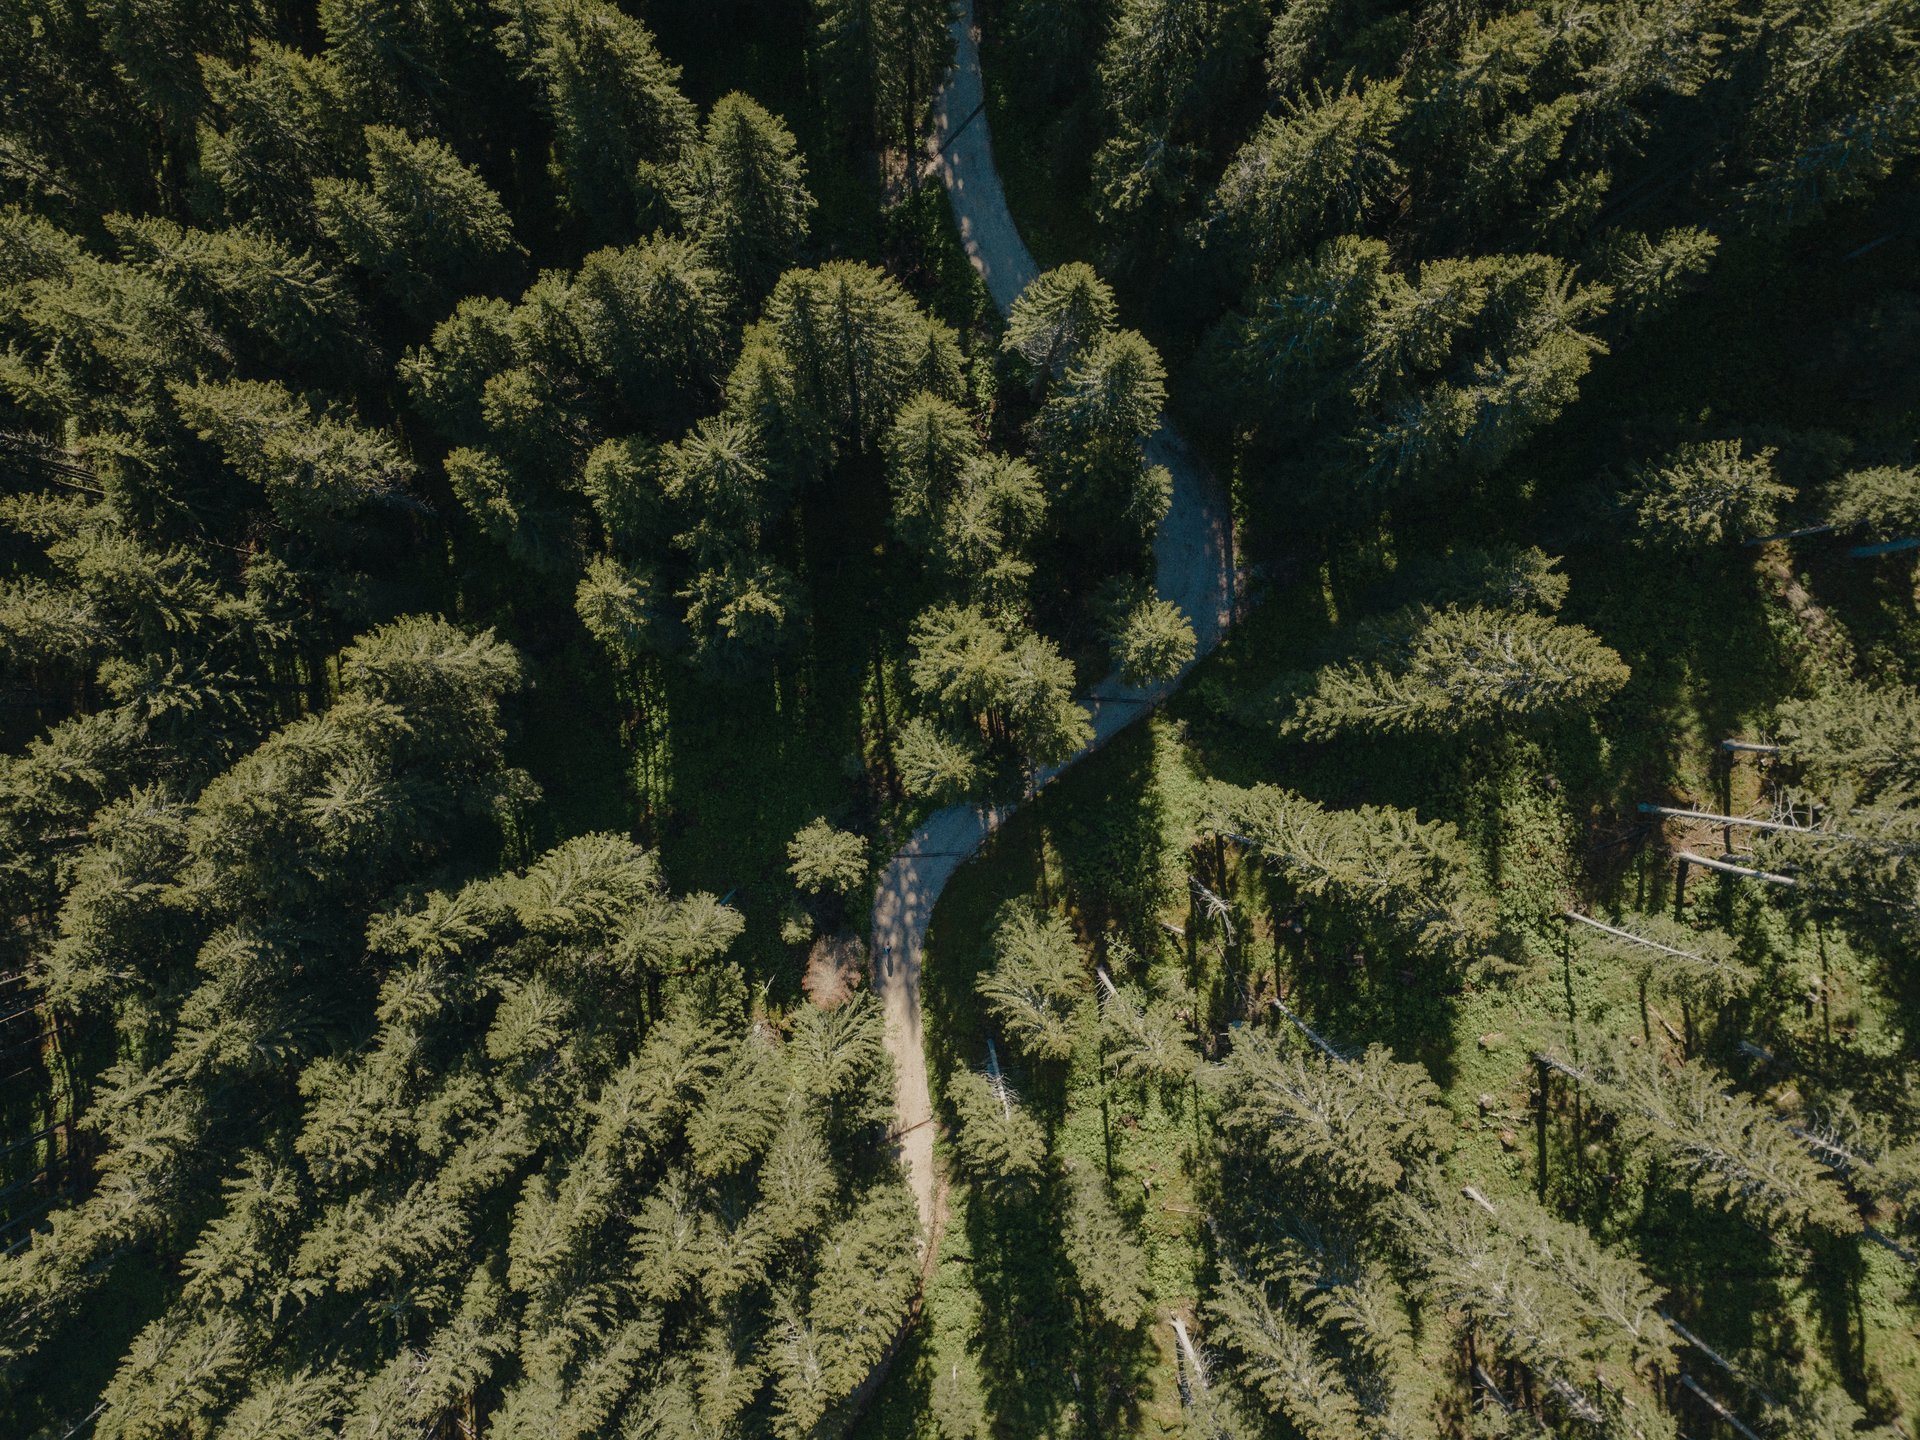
x=1193, y=568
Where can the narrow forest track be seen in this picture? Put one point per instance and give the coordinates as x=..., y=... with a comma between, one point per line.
x=1193, y=564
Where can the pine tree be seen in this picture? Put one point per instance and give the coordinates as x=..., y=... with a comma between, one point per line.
x=1152, y=642
x=1318, y=168
x=1648, y=276
x=1090, y=437
x=621, y=127
x=1449, y=670
x=1882, y=501
x=823, y=858
x=1412, y=874
x=1737, y=1155
x=1037, y=981
x=425, y=226
x=1359, y=1125
x=1059, y=317
x=1707, y=495
x=749, y=202
x=933, y=763
x=928, y=448
x=997, y=1142
x=1107, y=1263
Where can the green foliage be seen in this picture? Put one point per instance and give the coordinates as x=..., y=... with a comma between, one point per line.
x=1359, y=1125
x=1313, y=171
x=1737, y=1154
x=748, y=203
x=620, y=124
x=1037, y=982
x=1058, y=317
x=1090, y=437
x=1412, y=874
x=427, y=227
x=996, y=1141
x=823, y=858
x=1454, y=669
x=1883, y=501
x=1108, y=1265
x=1153, y=642
x=1707, y=495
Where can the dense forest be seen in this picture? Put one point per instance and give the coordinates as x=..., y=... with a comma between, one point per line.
x=522, y=524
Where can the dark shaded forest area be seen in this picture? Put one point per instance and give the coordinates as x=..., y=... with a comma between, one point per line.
x=514, y=510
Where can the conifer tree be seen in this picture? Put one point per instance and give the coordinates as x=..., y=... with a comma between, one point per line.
x=1883, y=501
x=1058, y=317
x=1152, y=642
x=280, y=123
x=621, y=127
x=313, y=471
x=1166, y=66
x=997, y=1142
x=929, y=447
x=1109, y=1266
x=934, y=763
x=425, y=225
x=823, y=858
x=1037, y=981
x=749, y=202
x=1451, y=669
x=1737, y=1155
x=996, y=511
x=1360, y=1124
x=1147, y=1039
x=1649, y=275
x=859, y=347
x=1707, y=495
x=1316, y=169
x=1280, y=1359
x=1412, y=874
x=1090, y=437
x=616, y=604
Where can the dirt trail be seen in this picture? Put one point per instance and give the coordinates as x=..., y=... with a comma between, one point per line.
x=1193, y=567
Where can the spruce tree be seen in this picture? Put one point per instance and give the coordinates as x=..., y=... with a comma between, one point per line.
x=1037, y=981
x=1058, y=317
x=425, y=225
x=621, y=127
x=1110, y=1268
x=1736, y=1153
x=823, y=858
x=1706, y=495
x=1374, y=859
x=1453, y=669
x=749, y=202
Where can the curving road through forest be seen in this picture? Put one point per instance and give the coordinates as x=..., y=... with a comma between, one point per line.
x=1193, y=567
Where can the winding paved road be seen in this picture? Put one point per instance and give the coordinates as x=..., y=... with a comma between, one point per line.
x=1193, y=567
